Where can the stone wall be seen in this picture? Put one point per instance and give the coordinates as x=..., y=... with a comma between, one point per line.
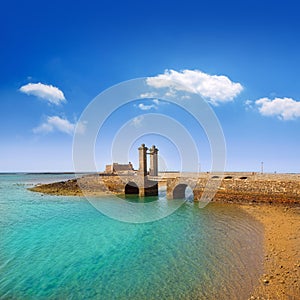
x=258, y=188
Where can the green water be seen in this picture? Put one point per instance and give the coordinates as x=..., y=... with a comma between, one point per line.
x=63, y=248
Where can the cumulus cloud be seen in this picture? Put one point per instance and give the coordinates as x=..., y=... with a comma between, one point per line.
x=215, y=88
x=46, y=92
x=56, y=123
x=153, y=104
x=283, y=108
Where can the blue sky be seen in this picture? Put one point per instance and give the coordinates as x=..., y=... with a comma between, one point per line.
x=82, y=48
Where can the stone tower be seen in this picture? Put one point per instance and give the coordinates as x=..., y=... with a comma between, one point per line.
x=153, y=161
x=143, y=160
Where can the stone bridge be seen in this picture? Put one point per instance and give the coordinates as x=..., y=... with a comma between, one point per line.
x=148, y=185
x=250, y=186
x=133, y=184
x=176, y=184
x=176, y=187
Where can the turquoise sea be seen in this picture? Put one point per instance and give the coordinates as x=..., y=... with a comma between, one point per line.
x=54, y=247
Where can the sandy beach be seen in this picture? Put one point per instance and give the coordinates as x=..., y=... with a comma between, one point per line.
x=281, y=278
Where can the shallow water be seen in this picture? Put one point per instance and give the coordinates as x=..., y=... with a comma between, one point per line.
x=62, y=247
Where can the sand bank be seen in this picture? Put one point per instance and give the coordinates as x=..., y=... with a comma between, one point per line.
x=281, y=278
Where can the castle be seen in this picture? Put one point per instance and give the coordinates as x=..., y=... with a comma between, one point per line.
x=138, y=182
x=127, y=169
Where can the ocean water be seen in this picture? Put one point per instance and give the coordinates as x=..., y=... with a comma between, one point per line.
x=54, y=247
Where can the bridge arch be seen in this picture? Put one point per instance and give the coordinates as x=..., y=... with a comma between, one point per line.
x=183, y=191
x=131, y=188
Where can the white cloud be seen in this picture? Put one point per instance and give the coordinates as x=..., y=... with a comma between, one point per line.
x=143, y=106
x=43, y=128
x=171, y=93
x=55, y=123
x=283, y=108
x=49, y=93
x=215, y=88
x=148, y=95
x=154, y=105
x=137, y=121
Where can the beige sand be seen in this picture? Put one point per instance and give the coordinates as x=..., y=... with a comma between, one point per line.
x=282, y=252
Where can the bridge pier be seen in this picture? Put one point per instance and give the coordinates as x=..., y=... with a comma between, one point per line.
x=148, y=188
x=141, y=186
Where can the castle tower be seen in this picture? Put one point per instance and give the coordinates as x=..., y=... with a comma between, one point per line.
x=153, y=161
x=143, y=160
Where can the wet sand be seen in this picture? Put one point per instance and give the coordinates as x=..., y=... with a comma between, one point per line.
x=281, y=278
